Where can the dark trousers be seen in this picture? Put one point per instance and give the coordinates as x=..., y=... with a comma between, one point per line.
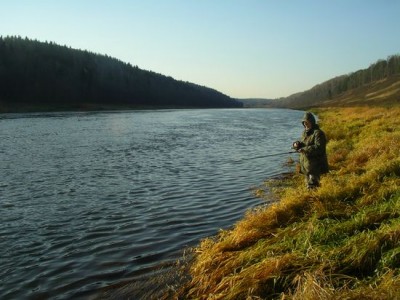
x=312, y=181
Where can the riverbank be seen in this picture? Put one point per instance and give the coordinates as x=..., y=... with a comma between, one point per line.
x=340, y=241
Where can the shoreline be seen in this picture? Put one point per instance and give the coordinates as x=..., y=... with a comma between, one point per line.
x=21, y=108
x=161, y=283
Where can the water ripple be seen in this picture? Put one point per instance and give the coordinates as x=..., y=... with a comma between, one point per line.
x=87, y=200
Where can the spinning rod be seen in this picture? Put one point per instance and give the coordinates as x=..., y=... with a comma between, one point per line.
x=267, y=155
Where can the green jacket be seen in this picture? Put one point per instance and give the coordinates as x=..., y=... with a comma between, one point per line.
x=313, y=159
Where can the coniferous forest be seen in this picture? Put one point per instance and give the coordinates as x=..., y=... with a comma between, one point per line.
x=45, y=76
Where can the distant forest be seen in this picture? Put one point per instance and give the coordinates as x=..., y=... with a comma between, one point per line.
x=44, y=74
x=381, y=70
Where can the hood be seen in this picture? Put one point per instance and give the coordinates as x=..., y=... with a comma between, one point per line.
x=309, y=117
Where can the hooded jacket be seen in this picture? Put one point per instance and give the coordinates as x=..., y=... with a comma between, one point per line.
x=313, y=159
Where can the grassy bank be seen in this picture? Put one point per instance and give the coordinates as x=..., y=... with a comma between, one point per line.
x=341, y=241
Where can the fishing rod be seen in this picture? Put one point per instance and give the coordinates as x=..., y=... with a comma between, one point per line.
x=267, y=155
x=274, y=154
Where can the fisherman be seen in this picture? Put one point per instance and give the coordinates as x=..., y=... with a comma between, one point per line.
x=312, y=149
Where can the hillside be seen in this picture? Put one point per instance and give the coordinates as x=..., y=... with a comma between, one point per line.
x=44, y=76
x=385, y=92
x=379, y=84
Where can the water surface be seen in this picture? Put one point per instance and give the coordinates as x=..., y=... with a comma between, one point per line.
x=90, y=199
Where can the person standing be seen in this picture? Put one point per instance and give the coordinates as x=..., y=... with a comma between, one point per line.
x=312, y=149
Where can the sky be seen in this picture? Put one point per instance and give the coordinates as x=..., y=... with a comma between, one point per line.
x=242, y=48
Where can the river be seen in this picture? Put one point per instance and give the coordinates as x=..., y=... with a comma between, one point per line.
x=88, y=199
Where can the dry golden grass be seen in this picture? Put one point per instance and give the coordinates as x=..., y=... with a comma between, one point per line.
x=341, y=241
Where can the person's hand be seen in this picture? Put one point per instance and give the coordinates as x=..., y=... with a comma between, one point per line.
x=296, y=145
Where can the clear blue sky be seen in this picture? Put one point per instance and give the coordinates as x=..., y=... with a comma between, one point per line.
x=243, y=48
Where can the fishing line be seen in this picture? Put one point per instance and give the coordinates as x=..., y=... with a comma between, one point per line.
x=267, y=155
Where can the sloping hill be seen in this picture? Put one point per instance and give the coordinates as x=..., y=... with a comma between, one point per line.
x=378, y=85
x=380, y=93
x=45, y=76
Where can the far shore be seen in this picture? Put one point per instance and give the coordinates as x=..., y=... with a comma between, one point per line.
x=28, y=108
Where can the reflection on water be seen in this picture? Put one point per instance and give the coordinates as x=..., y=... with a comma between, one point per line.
x=89, y=199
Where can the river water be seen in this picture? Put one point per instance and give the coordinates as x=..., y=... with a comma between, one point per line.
x=91, y=199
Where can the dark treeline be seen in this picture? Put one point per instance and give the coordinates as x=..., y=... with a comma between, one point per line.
x=45, y=74
x=382, y=69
